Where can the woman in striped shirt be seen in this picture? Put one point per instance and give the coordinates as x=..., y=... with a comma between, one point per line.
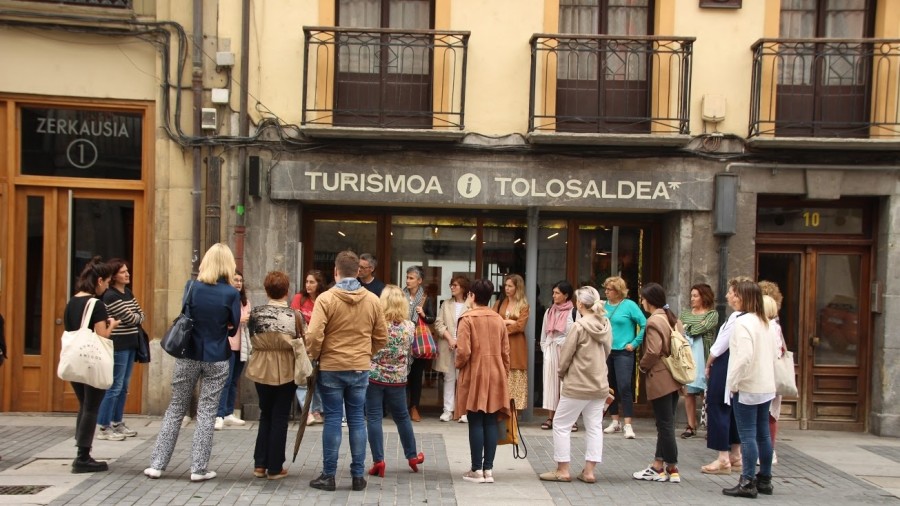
x=121, y=305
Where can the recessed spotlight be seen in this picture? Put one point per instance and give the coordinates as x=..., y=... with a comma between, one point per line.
x=554, y=234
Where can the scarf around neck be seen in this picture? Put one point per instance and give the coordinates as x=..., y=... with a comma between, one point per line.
x=557, y=317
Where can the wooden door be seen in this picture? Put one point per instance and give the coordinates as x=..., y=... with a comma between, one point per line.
x=825, y=322
x=57, y=231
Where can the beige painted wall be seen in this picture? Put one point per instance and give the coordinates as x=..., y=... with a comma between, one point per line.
x=722, y=58
x=76, y=65
x=499, y=65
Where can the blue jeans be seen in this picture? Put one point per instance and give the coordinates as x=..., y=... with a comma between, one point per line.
x=316, y=406
x=621, y=379
x=753, y=427
x=235, y=368
x=112, y=409
x=482, y=439
x=395, y=397
x=344, y=389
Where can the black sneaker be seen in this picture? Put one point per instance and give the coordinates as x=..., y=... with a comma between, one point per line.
x=359, y=483
x=88, y=466
x=324, y=482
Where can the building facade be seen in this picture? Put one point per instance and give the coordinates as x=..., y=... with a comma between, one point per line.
x=677, y=141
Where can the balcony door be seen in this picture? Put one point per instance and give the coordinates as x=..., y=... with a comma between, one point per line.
x=57, y=231
x=823, y=87
x=384, y=77
x=603, y=85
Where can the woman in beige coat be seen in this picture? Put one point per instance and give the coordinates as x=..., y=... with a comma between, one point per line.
x=445, y=331
x=271, y=368
x=662, y=389
x=585, y=387
x=482, y=357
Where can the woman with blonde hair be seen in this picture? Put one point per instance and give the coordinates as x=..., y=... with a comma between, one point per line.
x=271, y=368
x=585, y=388
x=628, y=323
x=751, y=385
x=387, y=382
x=215, y=307
x=445, y=330
x=514, y=311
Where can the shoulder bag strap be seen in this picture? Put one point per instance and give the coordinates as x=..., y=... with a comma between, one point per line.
x=88, y=311
x=298, y=326
x=186, y=307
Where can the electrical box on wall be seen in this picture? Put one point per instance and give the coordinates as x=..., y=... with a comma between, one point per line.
x=208, y=118
x=712, y=108
x=219, y=95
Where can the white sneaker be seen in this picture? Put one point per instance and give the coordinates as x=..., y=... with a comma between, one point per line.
x=489, y=476
x=650, y=474
x=629, y=432
x=613, y=426
x=233, y=420
x=464, y=419
x=203, y=477
x=109, y=434
x=152, y=473
x=774, y=458
x=343, y=422
x=446, y=416
x=474, y=476
x=220, y=422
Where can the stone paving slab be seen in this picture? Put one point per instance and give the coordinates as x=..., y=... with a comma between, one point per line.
x=799, y=477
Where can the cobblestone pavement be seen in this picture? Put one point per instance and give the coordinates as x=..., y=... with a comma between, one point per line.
x=39, y=451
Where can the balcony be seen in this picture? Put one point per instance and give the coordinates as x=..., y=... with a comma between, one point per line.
x=610, y=89
x=384, y=83
x=835, y=92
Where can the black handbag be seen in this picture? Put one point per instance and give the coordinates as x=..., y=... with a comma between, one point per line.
x=177, y=340
x=142, y=355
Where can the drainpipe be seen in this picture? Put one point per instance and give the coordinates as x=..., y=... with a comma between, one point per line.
x=244, y=132
x=197, y=90
x=531, y=265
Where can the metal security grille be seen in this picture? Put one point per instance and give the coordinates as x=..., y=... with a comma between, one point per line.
x=22, y=489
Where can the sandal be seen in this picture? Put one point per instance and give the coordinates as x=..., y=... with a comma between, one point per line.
x=737, y=464
x=575, y=428
x=688, y=433
x=716, y=467
x=554, y=476
x=548, y=424
x=585, y=479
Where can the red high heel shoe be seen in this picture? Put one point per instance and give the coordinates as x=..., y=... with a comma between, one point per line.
x=415, y=461
x=377, y=469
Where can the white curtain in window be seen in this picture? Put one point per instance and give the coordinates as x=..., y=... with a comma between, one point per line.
x=410, y=55
x=359, y=54
x=578, y=60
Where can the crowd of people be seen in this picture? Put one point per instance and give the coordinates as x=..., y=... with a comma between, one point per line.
x=361, y=332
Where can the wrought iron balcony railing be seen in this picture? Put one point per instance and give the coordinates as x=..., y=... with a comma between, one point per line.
x=610, y=84
x=384, y=78
x=827, y=88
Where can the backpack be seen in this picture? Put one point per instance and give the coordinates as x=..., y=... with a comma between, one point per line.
x=680, y=361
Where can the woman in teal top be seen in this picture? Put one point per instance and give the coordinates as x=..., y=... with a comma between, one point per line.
x=628, y=323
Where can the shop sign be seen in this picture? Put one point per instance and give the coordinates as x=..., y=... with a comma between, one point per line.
x=493, y=186
x=66, y=142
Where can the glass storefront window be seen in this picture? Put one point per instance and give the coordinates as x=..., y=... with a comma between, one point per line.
x=552, y=247
x=503, y=250
x=595, y=255
x=334, y=236
x=443, y=245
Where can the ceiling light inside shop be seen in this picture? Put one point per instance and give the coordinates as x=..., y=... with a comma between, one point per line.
x=518, y=240
x=602, y=253
x=341, y=234
x=472, y=238
x=554, y=234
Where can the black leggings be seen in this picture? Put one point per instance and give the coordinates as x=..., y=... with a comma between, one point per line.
x=414, y=381
x=89, y=399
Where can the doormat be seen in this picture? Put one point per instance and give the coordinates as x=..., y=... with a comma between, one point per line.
x=22, y=489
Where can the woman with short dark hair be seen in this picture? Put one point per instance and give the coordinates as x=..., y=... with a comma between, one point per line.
x=662, y=389
x=445, y=333
x=271, y=368
x=240, y=353
x=92, y=283
x=121, y=305
x=424, y=307
x=557, y=321
x=482, y=357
